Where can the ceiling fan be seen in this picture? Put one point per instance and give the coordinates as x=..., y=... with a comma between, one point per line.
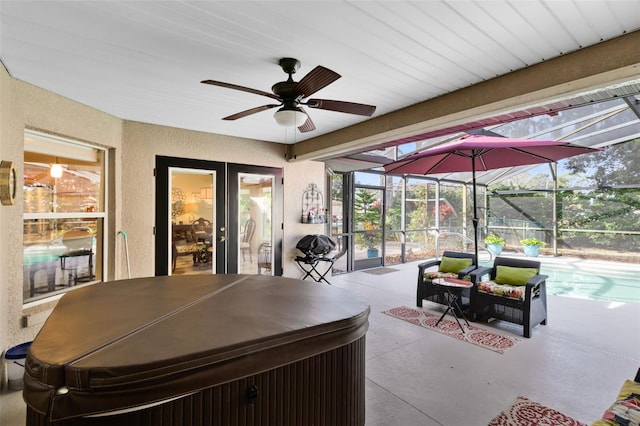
x=292, y=95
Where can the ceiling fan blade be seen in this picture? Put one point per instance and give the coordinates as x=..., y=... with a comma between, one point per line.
x=241, y=88
x=318, y=78
x=308, y=125
x=250, y=111
x=341, y=106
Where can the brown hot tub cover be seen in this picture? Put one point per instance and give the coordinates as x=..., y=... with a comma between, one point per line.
x=125, y=344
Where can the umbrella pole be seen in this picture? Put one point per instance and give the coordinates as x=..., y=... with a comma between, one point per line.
x=475, y=209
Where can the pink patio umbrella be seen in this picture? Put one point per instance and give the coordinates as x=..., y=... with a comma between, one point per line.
x=481, y=153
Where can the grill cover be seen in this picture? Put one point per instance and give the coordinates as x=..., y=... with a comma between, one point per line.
x=316, y=245
x=124, y=344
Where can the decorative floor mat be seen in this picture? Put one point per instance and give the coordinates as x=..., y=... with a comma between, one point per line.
x=487, y=339
x=525, y=412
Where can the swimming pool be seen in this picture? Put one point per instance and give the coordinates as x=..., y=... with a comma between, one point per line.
x=596, y=280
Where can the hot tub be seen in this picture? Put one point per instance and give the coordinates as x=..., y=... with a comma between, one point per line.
x=200, y=350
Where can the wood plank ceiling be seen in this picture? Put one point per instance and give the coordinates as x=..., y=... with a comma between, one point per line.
x=144, y=61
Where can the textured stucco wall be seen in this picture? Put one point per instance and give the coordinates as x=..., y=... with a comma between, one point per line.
x=7, y=153
x=144, y=141
x=26, y=106
x=133, y=147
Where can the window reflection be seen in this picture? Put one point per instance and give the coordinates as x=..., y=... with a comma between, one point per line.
x=192, y=221
x=63, y=205
x=254, y=218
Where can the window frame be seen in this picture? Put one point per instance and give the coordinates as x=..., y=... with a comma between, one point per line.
x=100, y=215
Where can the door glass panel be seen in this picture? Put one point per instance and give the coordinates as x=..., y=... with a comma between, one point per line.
x=368, y=223
x=338, y=224
x=192, y=211
x=255, y=224
x=337, y=197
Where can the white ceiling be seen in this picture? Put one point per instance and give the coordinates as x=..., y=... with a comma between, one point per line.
x=144, y=60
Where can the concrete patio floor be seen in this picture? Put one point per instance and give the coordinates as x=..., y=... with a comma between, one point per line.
x=415, y=376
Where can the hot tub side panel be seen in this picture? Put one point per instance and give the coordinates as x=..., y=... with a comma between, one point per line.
x=325, y=389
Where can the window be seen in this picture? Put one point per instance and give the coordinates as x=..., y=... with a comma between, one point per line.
x=64, y=215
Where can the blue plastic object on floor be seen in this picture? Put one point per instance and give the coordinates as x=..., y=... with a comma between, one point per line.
x=18, y=352
x=14, y=358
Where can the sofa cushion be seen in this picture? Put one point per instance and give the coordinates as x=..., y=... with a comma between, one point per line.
x=453, y=264
x=509, y=291
x=626, y=409
x=514, y=276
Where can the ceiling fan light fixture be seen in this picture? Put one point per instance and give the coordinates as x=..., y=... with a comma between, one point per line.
x=56, y=170
x=290, y=94
x=290, y=117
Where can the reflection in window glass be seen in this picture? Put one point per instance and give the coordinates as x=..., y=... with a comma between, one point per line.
x=63, y=215
x=255, y=221
x=192, y=209
x=337, y=214
x=77, y=190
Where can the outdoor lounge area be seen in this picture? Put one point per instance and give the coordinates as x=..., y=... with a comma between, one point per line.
x=137, y=145
x=416, y=376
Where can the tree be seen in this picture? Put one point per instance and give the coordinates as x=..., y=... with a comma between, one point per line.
x=602, y=205
x=616, y=165
x=368, y=216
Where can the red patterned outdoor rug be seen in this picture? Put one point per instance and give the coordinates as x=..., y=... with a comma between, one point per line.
x=478, y=336
x=525, y=412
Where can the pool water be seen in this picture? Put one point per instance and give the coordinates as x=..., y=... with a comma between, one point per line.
x=603, y=282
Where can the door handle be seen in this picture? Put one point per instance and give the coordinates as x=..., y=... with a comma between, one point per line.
x=222, y=239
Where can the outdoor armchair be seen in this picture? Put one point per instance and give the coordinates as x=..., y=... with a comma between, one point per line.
x=513, y=290
x=450, y=265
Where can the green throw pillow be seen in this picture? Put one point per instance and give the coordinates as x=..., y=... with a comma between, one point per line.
x=513, y=275
x=453, y=264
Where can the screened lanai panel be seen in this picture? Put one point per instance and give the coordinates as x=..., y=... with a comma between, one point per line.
x=369, y=179
x=572, y=125
x=518, y=216
x=600, y=209
x=603, y=221
x=611, y=127
x=621, y=247
x=393, y=220
x=617, y=166
x=419, y=219
x=618, y=128
x=451, y=211
x=417, y=213
x=393, y=203
x=596, y=124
